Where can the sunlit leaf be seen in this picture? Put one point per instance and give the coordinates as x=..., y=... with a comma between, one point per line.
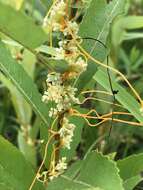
x=17, y=172
x=20, y=28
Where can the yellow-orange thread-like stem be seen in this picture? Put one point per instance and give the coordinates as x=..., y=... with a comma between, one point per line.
x=87, y=116
x=97, y=91
x=44, y=158
x=105, y=66
x=100, y=100
x=43, y=161
x=117, y=113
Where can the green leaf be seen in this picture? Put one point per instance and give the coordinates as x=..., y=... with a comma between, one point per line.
x=132, y=35
x=28, y=150
x=23, y=82
x=96, y=24
x=97, y=167
x=58, y=66
x=44, y=136
x=66, y=183
x=47, y=50
x=2, y=120
x=130, y=183
x=95, y=171
x=131, y=170
x=128, y=101
x=15, y=171
x=24, y=113
x=20, y=28
x=126, y=23
x=14, y=3
x=132, y=22
x=130, y=166
x=47, y=3
x=22, y=108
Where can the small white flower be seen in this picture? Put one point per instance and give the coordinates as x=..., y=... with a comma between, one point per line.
x=73, y=27
x=60, y=54
x=79, y=66
x=58, y=169
x=66, y=133
x=45, y=22
x=55, y=93
x=56, y=27
x=53, y=175
x=45, y=98
x=53, y=78
x=54, y=19
x=66, y=142
x=71, y=94
x=53, y=112
x=61, y=165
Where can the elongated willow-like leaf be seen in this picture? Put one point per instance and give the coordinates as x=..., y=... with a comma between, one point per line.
x=20, y=28
x=96, y=171
x=15, y=172
x=124, y=24
x=96, y=24
x=123, y=96
x=23, y=82
x=22, y=108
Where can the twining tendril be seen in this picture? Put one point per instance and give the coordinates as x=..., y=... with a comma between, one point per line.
x=61, y=90
x=103, y=65
x=100, y=100
x=104, y=118
x=109, y=77
x=44, y=157
x=96, y=91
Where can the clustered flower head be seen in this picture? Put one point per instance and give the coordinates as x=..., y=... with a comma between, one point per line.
x=67, y=49
x=56, y=15
x=58, y=169
x=79, y=66
x=66, y=133
x=62, y=95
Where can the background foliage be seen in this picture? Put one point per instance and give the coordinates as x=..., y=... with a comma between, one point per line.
x=96, y=161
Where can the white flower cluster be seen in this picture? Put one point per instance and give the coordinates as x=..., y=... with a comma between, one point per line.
x=67, y=48
x=66, y=133
x=79, y=66
x=71, y=53
x=56, y=14
x=61, y=165
x=62, y=95
x=58, y=169
x=59, y=91
x=73, y=27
